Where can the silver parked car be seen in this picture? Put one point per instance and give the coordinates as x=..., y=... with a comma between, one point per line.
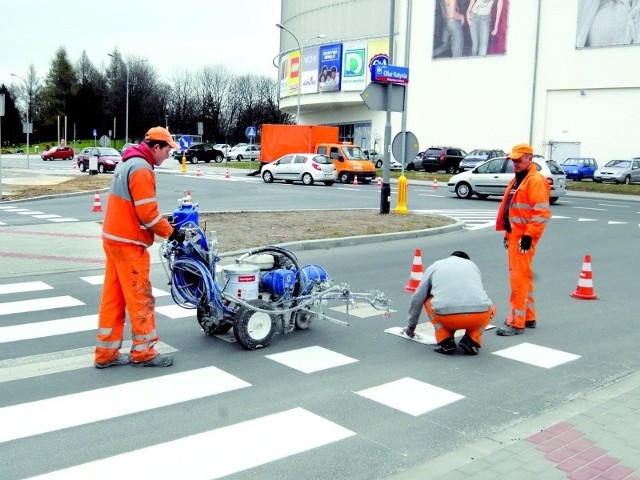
x=493, y=176
x=478, y=156
x=301, y=167
x=619, y=171
x=244, y=152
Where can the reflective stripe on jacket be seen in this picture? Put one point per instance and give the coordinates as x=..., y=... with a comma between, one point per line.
x=132, y=214
x=529, y=210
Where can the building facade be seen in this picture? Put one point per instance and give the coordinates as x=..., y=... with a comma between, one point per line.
x=563, y=75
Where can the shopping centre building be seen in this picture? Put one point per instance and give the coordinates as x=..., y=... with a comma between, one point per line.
x=563, y=75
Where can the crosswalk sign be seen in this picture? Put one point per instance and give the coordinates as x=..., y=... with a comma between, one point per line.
x=251, y=132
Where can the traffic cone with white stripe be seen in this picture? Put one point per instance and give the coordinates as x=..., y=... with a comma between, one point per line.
x=379, y=182
x=434, y=185
x=585, y=291
x=355, y=181
x=227, y=174
x=97, y=206
x=416, y=273
x=198, y=172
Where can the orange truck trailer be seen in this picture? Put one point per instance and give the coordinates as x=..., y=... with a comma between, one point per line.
x=349, y=160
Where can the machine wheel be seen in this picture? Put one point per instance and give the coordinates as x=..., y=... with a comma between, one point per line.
x=267, y=176
x=463, y=190
x=329, y=183
x=344, y=177
x=211, y=329
x=218, y=159
x=553, y=200
x=101, y=168
x=194, y=160
x=254, y=329
x=302, y=319
x=307, y=179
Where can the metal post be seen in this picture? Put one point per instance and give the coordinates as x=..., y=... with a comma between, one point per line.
x=126, y=114
x=385, y=194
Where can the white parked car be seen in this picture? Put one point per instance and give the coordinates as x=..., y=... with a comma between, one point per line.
x=493, y=176
x=244, y=152
x=301, y=167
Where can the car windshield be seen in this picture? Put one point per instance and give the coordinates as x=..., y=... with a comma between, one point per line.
x=322, y=159
x=554, y=168
x=433, y=151
x=572, y=162
x=109, y=151
x=619, y=163
x=353, y=153
x=480, y=154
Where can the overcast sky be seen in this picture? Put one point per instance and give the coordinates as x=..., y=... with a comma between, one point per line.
x=171, y=35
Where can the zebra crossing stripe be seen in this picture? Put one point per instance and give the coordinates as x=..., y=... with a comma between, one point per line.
x=49, y=328
x=57, y=362
x=24, y=287
x=237, y=447
x=34, y=418
x=38, y=304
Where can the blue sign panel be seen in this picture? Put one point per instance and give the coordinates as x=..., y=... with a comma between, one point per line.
x=329, y=68
x=390, y=74
x=250, y=132
x=184, y=142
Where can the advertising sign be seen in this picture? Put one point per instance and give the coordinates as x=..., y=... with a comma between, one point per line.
x=310, y=64
x=354, y=66
x=330, y=68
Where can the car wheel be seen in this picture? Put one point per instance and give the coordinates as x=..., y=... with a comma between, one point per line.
x=410, y=167
x=254, y=329
x=344, y=177
x=482, y=196
x=307, y=179
x=329, y=183
x=627, y=180
x=463, y=190
x=239, y=158
x=267, y=176
x=83, y=167
x=101, y=168
x=553, y=200
x=218, y=159
x=450, y=169
x=379, y=164
x=597, y=180
x=579, y=178
x=194, y=160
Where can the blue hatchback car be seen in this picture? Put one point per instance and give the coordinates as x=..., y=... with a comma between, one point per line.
x=577, y=168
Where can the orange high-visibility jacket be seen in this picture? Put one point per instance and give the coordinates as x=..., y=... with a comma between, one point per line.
x=132, y=215
x=529, y=210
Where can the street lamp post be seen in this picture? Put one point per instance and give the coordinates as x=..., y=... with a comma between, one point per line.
x=126, y=108
x=28, y=124
x=300, y=50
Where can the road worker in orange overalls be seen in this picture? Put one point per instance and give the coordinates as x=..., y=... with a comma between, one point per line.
x=452, y=294
x=523, y=215
x=130, y=223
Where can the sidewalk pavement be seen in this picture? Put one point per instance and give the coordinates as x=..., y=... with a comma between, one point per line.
x=595, y=436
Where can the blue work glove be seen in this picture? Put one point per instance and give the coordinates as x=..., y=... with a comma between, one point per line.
x=524, y=244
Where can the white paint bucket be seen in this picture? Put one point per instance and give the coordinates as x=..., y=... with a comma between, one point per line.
x=242, y=280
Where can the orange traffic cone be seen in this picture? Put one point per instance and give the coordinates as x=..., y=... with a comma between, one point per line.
x=379, y=182
x=97, y=206
x=198, y=172
x=416, y=273
x=435, y=184
x=355, y=181
x=227, y=175
x=584, y=291
x=74, y=166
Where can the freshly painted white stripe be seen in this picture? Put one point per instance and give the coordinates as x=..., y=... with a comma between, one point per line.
x=34, y=305
x=47, y=215
x=99, y=280
x=56, y=362
x=23, y=287
x=612, y=205
x=237, y=447
x=612, y=222
x=60, y=220
x=311, y=359
x=34, y=418
x=591, y=208
x=536, y=355
x=176, y=311
x=587, y=220
x=411, y=396
x=29, y=212
x=49, y=328
x=16, y=210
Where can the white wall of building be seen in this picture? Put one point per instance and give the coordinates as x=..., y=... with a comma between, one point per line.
x=543, y=90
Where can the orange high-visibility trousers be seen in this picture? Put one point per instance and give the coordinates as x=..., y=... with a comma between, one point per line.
x=126, y=288
x=522, y=303
x=446, y=325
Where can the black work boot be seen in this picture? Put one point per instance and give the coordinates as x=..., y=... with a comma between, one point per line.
x=468, y=346
x=446, y=347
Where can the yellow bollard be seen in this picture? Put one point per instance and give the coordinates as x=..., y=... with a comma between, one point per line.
x=401, y=208
x=183, y=168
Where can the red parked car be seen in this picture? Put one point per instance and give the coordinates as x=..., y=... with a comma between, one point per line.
x=58, y=153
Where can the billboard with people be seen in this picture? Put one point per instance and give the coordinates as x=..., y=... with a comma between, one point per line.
x=468, y=28
x=607, y=23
